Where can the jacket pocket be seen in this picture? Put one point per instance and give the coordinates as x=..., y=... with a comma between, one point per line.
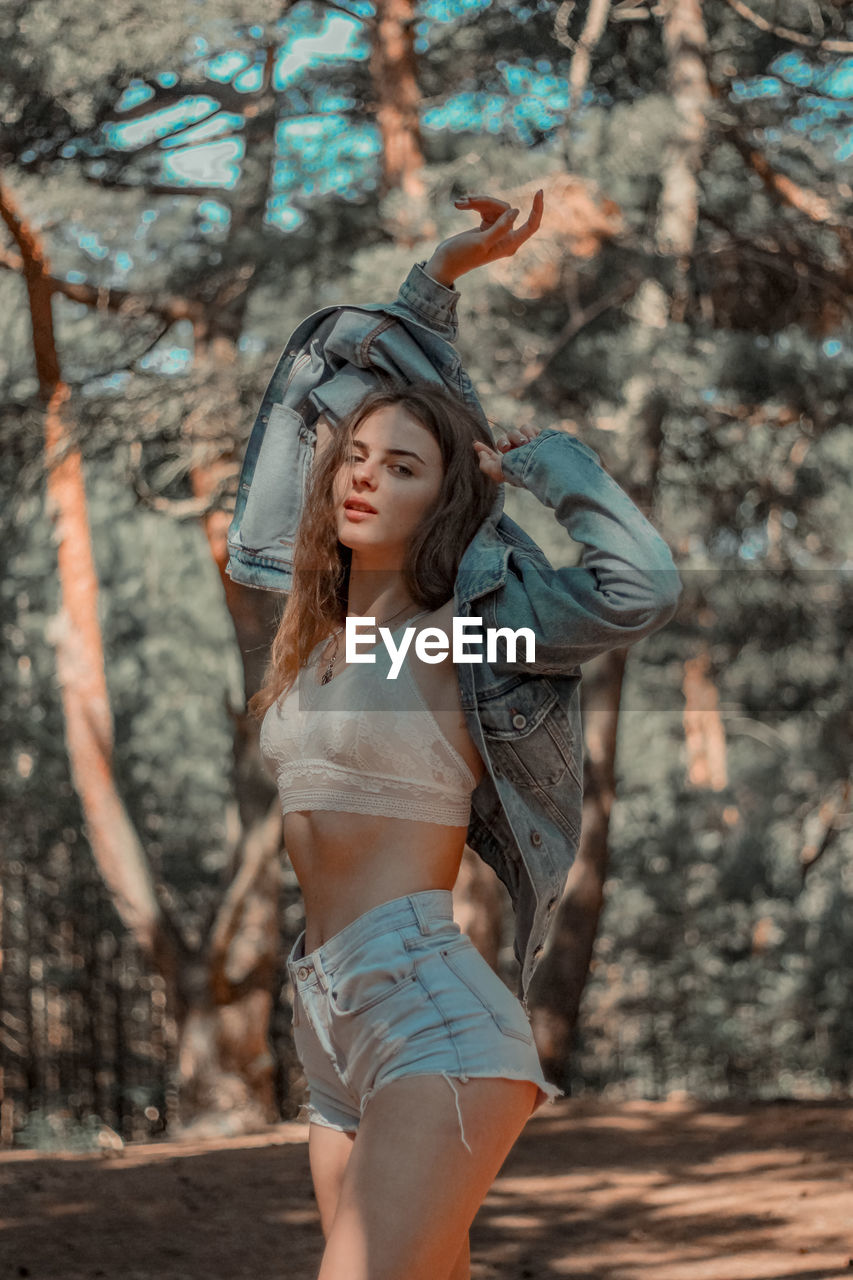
x=527, y=735
x=274, y=505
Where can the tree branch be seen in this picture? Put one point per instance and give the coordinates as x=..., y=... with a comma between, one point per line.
x=573, y=326
x=786, y=33
x=803, y=199
x=169, y=96
x=596, y=21
x=159, y=188
x=259, y=844
x=171, y=307
x=828, y=817
x=368, y=20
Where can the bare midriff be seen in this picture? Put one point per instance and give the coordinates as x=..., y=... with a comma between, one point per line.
x=348, y=863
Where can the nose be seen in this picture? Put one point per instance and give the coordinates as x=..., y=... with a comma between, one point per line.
x=362, y=474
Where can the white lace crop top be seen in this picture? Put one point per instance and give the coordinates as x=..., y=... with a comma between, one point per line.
x=365, y=744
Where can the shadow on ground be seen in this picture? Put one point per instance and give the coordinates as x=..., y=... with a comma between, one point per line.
x=636, y=1191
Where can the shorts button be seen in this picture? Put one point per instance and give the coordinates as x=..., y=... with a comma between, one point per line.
x=535, y=838
x=518, y=720
x=302, y=971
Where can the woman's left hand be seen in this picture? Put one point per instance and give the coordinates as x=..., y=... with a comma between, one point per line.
x=496, y=237
x=490, y=459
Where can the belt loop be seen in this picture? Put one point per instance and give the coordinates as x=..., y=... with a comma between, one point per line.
x=320, y=971
x=420, y=915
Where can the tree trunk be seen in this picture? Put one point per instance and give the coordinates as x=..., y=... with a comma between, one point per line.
x=556, y=994
x=704, y=732
x=238, y=974
x=393, y=71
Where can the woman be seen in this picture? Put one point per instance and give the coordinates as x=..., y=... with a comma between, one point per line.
x=408, y=1040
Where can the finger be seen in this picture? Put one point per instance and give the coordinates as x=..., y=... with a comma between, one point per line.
x=490, y=203
x=534, y=218
x=518, y=235
x=483, y=450
x=498, y=230
x=488, y=207
x=490, y=463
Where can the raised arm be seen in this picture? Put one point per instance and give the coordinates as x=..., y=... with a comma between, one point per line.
x=496, y=237
x=625, y=587
x=427, y=295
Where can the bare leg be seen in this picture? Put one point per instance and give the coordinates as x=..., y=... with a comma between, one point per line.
x=411, y=1189
x=328, y=1154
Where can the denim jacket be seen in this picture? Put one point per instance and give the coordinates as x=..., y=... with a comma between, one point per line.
x=524, y=717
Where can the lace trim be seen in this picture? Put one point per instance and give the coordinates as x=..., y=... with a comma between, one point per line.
x=447, y=813
x=455, y=756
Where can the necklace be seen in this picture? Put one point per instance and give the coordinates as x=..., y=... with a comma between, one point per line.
x=327, y=674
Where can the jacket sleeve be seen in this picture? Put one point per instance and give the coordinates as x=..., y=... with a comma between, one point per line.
x=625, y=587
x=429, y=303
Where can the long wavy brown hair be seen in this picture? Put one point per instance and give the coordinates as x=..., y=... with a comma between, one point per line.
x=317, y=603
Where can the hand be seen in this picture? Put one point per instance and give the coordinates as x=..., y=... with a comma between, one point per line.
x=496, y=237
x=490, y=459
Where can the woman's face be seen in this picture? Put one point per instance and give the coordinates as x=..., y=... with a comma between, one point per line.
x=393, y=478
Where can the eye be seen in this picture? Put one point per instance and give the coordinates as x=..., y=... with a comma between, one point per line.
x=401, y=467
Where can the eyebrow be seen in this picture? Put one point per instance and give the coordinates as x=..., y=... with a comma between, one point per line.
x=397, y=453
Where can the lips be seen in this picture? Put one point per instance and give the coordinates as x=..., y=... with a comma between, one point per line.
x=357, y=504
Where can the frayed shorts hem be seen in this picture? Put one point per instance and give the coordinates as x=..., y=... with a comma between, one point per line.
x=546, y=1093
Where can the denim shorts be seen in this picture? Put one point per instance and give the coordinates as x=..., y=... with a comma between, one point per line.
x=401, y=991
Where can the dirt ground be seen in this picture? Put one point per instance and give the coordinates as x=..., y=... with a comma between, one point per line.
x=631, y=1191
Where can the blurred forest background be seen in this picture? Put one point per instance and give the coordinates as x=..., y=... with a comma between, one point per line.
x=180, y=184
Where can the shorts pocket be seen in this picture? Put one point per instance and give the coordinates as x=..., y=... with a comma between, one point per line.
x=369, y=976
x=464, y=960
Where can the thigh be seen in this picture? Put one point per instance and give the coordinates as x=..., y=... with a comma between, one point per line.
x=328, y=1155
x=411, y=1190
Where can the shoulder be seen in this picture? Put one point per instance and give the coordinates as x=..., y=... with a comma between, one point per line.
x=441, y=617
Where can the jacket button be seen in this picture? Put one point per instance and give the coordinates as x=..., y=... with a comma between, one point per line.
x=518, y=720
x=302, y=972
x=535, y=838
